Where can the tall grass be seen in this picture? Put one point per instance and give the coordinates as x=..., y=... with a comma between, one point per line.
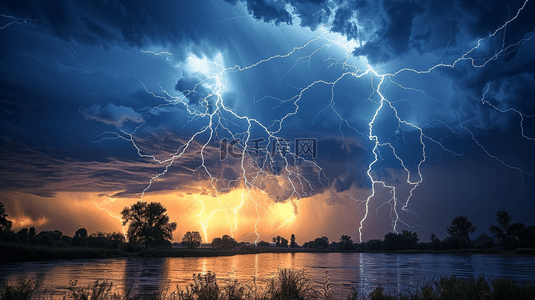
x=288, y=285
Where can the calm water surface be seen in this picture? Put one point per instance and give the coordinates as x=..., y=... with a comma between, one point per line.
x=345, y=270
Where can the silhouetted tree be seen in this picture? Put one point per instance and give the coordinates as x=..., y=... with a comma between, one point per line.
x=31, y=235
x=527, y=237
x=346, y=242
x=47, y=238
x=58, y=234
x=80, y=238
x=284, y=243
x=515, y=230
x=457, y=242
x=434, y=242
x=412, y=235
x=293, y=244
x=5, y=224
x=148, y=223
x=321, y=243
x=484, y=242
x=192, y=239
x=116, y=238
x=397, y=241
x=262, y=244
x=344, y=238
x=81, y=233
x=374, y=245
x=277, y=241
x=461, y=227
x=507, y=234
x=500, y=232
x=98, y=240
x=23, y=235
x=225, y=242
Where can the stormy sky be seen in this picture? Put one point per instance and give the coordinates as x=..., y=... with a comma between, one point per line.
x=418, y=112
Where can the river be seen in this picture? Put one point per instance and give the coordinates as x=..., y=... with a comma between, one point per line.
x=344, y=270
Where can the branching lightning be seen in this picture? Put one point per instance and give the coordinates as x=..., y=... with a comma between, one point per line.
x=111, y=214
x=219, y=116
x=14, y=21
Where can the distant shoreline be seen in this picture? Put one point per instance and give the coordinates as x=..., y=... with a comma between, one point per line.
x=12, y=252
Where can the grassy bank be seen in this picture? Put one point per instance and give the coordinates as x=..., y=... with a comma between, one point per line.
x=288, y=284
x=15, y=252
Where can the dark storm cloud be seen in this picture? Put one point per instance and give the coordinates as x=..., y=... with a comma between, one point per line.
x=190, y=87
x=342, y=24
x=344, y=163
x=391, y=29
x=111, y=114
x=267, y=10
x=44, y=173
x=394, y=38
x=311, y=13
x=123, y=23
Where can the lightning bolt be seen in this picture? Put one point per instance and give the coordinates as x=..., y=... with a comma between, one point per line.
x=15, y=21
x=219, y=117
x=112, y=215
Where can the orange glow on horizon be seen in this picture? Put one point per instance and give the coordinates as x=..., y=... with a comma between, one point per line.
x=247, y=215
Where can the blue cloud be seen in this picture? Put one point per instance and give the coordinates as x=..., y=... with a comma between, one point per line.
x=111, y=114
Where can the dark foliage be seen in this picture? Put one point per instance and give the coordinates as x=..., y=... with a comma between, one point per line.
x=148, y=223
x=461, y=227
x=398, y=241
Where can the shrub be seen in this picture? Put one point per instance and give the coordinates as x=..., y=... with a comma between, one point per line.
x=290, y=284
x=459, y=242
x=24, y=291
x=374, y=245
x=131, y=247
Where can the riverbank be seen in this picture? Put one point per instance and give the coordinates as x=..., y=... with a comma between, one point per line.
x=288, y=284
x=14, y=252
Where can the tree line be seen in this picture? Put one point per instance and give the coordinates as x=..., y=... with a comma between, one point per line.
x=506, y=235
x=149, y=226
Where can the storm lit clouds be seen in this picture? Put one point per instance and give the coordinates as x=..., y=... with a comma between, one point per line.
x=120, y=100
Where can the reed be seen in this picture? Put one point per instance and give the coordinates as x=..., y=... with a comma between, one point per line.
x=285, y=285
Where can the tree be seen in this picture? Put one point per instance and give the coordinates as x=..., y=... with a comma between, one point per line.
x=148, y=223
x=80, y=237
x=434, y=242
x=31, y=235
x=225, y=242
x=263, y=244
x=507, y=234
x=80, y=233
x=346, y=242
x=115, y=238
x=344, y=238
x=23, y=235
x=412, y=235
x=284, y=243
x=484, y=242
x=293, y=244
x=461, y=227
x=500, y=232
x=321, y=243
x=5, y=224
x=527, y=238
x=277, y=241
x=192, y=239
x=398, y=241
